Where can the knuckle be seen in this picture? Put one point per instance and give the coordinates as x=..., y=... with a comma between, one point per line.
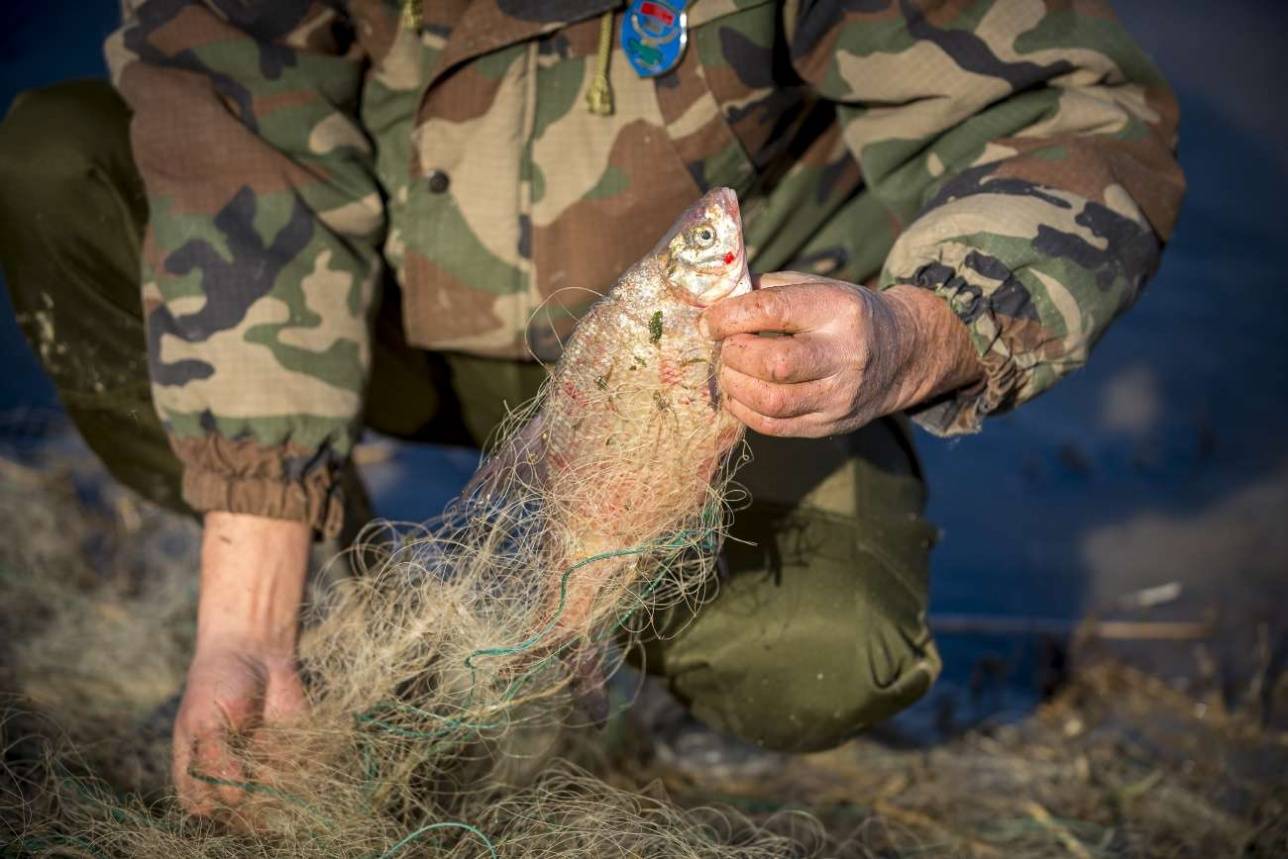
x=775, y=403
x=736, y=352
x=833, y=392
x=860, y=358
x=817, y=399
x=853, y=307
x=782, y=366
x=774, y=306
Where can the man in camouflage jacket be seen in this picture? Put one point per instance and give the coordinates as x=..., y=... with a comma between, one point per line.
x=370, y=213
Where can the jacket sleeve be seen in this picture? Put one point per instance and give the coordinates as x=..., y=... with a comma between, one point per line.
x=259, y=261
x=1026, y=147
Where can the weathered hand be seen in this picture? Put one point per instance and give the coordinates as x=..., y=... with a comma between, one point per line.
x=846, y=355
x=232, y=691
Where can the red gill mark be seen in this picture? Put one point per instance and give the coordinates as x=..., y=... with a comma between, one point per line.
x=730, y=257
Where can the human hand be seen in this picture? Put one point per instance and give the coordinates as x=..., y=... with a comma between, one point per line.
x=243, y=674
x=231, y=692
x=846, y=355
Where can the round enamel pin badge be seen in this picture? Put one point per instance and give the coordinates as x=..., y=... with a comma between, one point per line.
x=654, y=34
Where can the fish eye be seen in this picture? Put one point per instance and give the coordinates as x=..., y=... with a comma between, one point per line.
x=704, y=237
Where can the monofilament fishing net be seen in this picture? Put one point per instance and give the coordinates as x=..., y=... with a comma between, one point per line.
x=440, y=675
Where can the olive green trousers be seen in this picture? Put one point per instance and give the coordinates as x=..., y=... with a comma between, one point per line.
x=817, y=628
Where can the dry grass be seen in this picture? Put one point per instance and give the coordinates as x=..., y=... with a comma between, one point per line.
x=96, y=628
x=1117, y=764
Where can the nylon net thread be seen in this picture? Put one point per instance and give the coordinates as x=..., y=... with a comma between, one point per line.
x=443, y=672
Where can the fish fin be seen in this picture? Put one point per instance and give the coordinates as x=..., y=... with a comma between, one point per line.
x=713, y=378
x=713, y=391
x=520, y=457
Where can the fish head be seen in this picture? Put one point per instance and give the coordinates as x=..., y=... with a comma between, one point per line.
x=703, y=255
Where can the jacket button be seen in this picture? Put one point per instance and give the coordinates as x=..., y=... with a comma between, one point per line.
x=438, y=181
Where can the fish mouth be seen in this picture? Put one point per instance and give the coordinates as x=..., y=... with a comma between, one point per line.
x=727, y=199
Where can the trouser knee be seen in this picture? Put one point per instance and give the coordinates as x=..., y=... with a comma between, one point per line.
x=72, y=205
x=72, y=213
x=56, y=139
x=840, y=681
x=801, y=654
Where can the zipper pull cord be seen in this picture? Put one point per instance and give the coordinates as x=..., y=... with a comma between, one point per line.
x=599, y=98
x=412, y=16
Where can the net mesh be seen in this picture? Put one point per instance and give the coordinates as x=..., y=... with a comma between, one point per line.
x=442, y=674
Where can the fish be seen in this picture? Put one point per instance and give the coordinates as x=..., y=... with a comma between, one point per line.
x=632, y=429
x=625, y=442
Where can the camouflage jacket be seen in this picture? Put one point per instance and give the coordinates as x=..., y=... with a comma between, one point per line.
x=1013, y=156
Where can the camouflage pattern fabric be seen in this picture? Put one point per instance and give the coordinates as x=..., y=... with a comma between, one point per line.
x=1013, y=156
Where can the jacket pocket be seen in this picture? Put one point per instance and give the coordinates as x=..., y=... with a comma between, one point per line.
x=602, y=189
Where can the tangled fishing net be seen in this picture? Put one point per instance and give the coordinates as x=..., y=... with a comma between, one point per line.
x=440, y=675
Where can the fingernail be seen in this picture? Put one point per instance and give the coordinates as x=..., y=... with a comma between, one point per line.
x=703, y=328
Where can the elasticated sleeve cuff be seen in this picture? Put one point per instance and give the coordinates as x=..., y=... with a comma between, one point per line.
x=1006, y=370
x=242, y=476
x=1035, y=274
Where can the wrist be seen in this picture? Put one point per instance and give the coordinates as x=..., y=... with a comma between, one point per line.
x=938, y=355
x=253, y=571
